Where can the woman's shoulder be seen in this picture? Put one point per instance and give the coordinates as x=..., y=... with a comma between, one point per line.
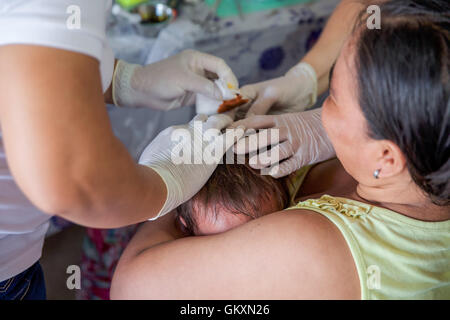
x=315, y=249
x=307, y=253
x=295, y=254
x=324, y=177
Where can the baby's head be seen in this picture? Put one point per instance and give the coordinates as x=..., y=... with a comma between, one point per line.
x=233, y=195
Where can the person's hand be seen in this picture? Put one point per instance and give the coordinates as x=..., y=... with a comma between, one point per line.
x=293, y=92
x=170, y=83
x=302, y=141
x=185, y=156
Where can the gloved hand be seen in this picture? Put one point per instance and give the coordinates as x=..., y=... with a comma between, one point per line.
x=185, y=177
x=170, y=83
x=293, y=92
x=302, y=141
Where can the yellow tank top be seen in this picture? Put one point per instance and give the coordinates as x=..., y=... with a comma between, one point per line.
x=397, y=257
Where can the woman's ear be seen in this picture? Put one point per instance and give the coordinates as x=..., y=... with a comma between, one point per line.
x=391, y=160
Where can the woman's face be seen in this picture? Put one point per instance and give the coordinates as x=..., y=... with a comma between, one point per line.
x=344, y=122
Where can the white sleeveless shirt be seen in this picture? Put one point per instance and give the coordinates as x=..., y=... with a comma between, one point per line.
x=75, y=25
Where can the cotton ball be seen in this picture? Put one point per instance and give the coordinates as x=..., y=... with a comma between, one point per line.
x=207, y=105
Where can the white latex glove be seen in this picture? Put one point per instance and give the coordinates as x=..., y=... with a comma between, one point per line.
x=302, y=141
x=183, y=180
x=170, y=83
x=293, y=92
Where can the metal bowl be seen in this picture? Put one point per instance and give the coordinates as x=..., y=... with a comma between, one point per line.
x=155, y=12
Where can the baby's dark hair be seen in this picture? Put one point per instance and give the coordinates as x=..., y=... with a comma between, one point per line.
x=237, y=188
x=403, y=83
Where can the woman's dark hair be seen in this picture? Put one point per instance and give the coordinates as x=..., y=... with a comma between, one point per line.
x=403, y=87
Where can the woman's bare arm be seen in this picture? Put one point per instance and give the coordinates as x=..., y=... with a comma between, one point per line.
x=325, y=52
x=292, y=254
x=60, y=145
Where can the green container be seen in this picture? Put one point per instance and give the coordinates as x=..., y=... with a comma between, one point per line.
x=229, y=8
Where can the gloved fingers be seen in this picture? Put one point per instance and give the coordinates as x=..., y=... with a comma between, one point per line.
x=199, y=117
x=233, y=136
x=221, y=142
x=270, y=157
x=249, y=91
x=218, y=66
x=199, y=84
x=231, y=113
x=261, y=105
x=260, y=140
x=283, y=169
x=188, y=99
x=218, y=121
x=255, y=122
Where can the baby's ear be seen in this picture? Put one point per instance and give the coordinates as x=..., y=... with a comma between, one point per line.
x=185, y=228
x=183, y=222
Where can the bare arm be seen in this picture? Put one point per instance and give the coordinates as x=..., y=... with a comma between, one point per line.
x=325, y=52
x=59, y=143
x=285, y=255
x=299, y=87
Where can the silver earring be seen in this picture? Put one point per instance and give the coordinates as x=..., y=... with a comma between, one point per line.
x=376, y=173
